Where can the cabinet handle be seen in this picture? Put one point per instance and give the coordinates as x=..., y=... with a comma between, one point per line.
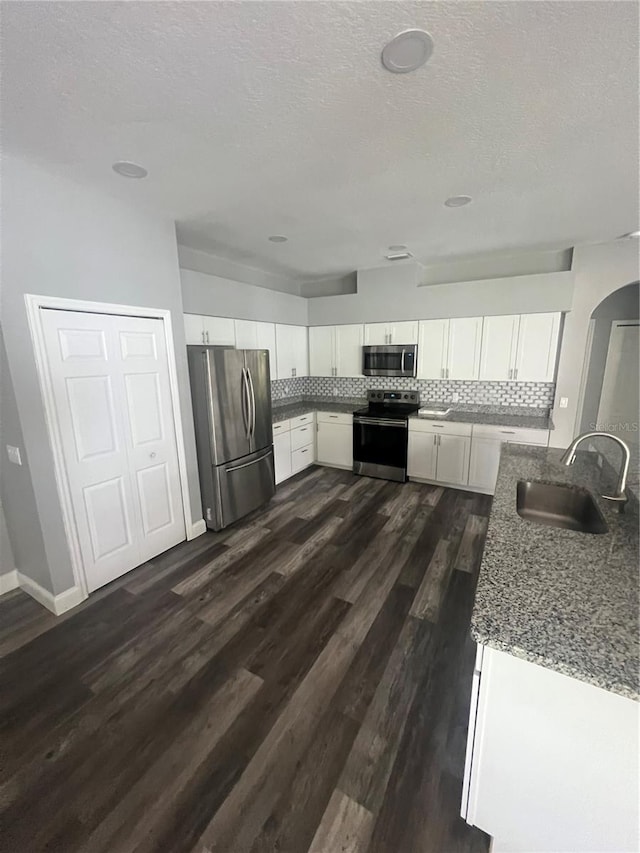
x=447, y=373
x=435, y=439
x=442, y=373
x=203, y=337
x=333, y=416
x=293, y=371
x=515, y=373
x=208, y=337
x=510, y=373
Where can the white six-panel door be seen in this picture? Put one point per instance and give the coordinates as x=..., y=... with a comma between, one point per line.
x=110, y=380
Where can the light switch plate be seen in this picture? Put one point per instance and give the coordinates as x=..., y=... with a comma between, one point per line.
x=14, y=454
x=564, y=402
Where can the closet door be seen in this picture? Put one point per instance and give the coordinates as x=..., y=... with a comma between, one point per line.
x=110, y=382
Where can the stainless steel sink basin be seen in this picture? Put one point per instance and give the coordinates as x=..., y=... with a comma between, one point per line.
x=557, y=505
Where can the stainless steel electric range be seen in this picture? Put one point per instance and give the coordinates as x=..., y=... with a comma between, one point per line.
x=381, y=433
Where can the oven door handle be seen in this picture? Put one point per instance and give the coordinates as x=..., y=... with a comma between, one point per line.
x=376, y=422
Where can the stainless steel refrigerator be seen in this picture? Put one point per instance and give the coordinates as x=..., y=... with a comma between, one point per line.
x=231, y=395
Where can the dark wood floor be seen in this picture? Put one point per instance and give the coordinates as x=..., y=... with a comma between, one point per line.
x=298, y=682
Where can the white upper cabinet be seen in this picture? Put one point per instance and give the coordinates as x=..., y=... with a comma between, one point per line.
x=202, y=329
x=292, y=351
x=321, y=350
x=194, y=329
x=336, y=350
x=465, y=338
x=220, y=331
x=433, y=340
x=378, y=334
x=348, y=346
x=499, y=345
x=520, y=347
x=251, y=334
x=449, y=349
x=537, y=347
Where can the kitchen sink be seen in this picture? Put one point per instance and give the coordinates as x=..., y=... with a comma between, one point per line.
x=558, y=505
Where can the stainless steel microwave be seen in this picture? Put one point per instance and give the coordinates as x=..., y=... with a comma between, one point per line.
x=390, y=360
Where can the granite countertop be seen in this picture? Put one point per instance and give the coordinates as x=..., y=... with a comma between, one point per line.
x=485, y=415
x=506, y=419
x=558, y=598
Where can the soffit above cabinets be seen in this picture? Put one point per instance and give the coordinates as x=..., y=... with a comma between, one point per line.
x=261, y=119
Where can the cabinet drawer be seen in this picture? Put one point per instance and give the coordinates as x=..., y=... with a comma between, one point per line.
x=302, y=436
x=281, y=426
x=335, y=418
x=301, y=458
x=445, y=427
x=515, y=435
x=302, y=419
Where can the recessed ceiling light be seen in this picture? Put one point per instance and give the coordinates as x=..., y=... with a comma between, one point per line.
x=458, y=201
x=278, y=238
x=129, y=170
x=399, y=256
x=407, y=51
x=397, y=248
x=630, y=234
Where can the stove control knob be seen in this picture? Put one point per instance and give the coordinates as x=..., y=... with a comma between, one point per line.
x=406, y=396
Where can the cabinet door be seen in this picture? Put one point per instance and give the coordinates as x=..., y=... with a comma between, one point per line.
x=452, y=465
x=465, y=337
x=266, y=339
x=300, y=350
x=246, y=334
x=376, y=334
x=194, y=329
x=484, y=461
x=282, y=456
x=348, y=348
x=421, y=455
x=433, y=336
x=498, y=350
x=335, y=444
x=403, y=333
x=321, y=350
x=284, y=351
x=220, y=331
x=537, y=347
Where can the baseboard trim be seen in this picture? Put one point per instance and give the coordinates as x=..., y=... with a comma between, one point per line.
x=197, y=529
x=9, y=581
x=57, y=604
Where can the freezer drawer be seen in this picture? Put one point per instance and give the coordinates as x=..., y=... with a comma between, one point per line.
x=242, y=486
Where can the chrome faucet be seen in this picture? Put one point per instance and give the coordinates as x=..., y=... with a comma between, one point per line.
x=569, y=457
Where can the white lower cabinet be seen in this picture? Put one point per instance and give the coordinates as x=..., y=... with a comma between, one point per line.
x=293, y=445
x=551, y=761
x=282, y=455
x=486, y=444
x=439, y=452
x=335, y=439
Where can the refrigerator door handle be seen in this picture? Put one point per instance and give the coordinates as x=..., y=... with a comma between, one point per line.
x=252, y=420
x=245, y=404
x=248, y=464
x=212, y=420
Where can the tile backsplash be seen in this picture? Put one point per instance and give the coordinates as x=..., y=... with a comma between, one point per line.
x=533, y=394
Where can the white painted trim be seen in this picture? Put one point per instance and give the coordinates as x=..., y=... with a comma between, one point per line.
x=33, y=304
x=583, y=378
x=197, y=529
x=57, y=604
x=8, y=581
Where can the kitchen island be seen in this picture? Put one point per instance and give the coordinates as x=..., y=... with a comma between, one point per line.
x=553, y=738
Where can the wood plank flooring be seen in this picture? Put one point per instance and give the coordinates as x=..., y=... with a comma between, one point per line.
x=299, y=682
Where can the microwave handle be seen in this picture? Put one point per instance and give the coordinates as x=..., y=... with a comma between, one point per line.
x=404, y=352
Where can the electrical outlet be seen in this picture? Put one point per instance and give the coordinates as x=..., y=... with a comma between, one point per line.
x=564, y=402
x=14, y=454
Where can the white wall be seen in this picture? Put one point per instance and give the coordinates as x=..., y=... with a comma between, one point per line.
x=62, y=239
x=599, y=270
x=393, y=293
x=222, y=297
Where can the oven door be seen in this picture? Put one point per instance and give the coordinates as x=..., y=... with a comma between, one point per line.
x=390, y=360
x=380, y=448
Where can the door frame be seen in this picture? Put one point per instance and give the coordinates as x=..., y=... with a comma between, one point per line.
x=34, y=305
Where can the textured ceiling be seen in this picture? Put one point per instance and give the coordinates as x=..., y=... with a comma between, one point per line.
x=277, y=118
